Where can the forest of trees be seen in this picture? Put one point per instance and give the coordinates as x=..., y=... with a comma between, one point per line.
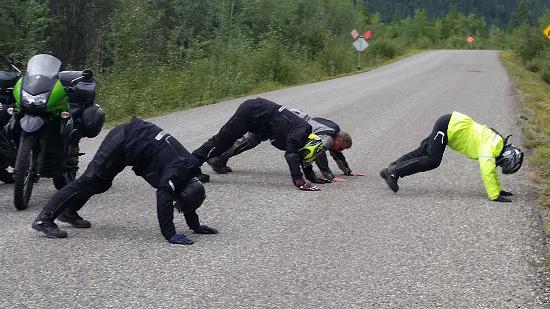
x=159, y=55
x=502, y=13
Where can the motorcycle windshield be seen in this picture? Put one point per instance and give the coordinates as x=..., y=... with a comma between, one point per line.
x=44, y=65
x=41, y=74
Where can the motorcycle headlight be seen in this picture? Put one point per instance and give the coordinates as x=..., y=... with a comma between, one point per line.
x=38, y=100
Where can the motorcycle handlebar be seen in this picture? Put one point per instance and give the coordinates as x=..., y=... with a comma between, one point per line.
x=87, y=75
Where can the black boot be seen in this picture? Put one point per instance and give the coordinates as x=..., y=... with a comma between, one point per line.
x=45, y=224
x=389, y=175
x=219, y=164
x=203, y=177
x=72, y=217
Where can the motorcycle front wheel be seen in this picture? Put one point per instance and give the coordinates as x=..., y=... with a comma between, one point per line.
x=24, y=175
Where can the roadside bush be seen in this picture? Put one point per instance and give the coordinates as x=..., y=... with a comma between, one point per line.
x=455, y=42
x=533, y=65
x=424, y=43
x=385, y=48
x=529, y=44
x=273, y=61
x=336, y=58
x=544, y=63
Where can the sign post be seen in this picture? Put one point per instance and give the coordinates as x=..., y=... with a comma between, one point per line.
x=360, y=43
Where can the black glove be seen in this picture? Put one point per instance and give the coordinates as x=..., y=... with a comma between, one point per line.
x=505, y=193
x=205, y=229
x=500, y=198
x=309, y=187
x=314, y=178
x=180, y=239
x=301, y=184
x=298, y=181
x=203, y=177
x=322, y=180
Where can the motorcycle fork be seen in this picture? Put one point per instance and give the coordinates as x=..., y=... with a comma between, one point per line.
x=68, y=140
x=42, y=147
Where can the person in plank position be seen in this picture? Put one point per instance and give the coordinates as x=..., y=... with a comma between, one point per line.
x=154, y=155
x=462, y=134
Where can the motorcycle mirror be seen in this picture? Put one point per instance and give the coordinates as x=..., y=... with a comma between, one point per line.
x=8, y=60
x=87, y=74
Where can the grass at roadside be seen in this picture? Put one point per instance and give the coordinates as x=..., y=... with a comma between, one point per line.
x=535, y=108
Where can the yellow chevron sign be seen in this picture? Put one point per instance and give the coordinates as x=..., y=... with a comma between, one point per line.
x=547, y=31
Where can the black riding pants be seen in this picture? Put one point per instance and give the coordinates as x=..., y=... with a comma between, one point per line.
x=98, y=177
x=252, y=115
x=428, y=156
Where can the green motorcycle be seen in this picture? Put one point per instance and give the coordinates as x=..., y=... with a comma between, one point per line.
x=53, y=111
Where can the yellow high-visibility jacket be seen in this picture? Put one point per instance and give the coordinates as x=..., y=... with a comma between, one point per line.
x=477, y=142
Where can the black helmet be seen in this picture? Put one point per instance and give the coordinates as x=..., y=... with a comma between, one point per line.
x=190, y=197
x=510, y=159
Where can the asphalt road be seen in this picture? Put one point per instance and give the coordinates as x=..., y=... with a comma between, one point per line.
x=437, y=243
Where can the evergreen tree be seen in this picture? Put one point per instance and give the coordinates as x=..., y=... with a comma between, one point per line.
x=520, y=16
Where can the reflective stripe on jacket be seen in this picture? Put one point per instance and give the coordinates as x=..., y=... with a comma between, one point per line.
x=477, y=142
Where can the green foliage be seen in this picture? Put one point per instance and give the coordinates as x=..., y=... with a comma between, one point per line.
x=154, y=56
x=533, y=65
x=336, y=57
x=542, y=155
x=520, y=16
x=495, y=38
x=7, y=27
x=533, y=47
x=24, y=24
x=496, y=12
x=530, y=43
x=237, y=67
x=385, y=48
x=134, y=34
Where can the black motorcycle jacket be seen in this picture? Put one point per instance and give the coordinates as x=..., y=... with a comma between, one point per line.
x=284, y=129
x=163, y=162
